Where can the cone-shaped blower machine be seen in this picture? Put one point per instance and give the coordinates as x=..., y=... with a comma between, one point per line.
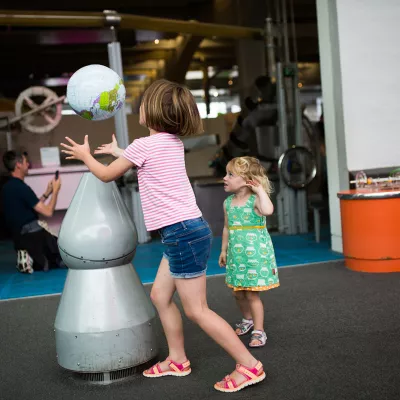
x=105, y=319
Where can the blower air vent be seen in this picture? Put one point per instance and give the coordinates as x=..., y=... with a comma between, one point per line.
x=106, y=378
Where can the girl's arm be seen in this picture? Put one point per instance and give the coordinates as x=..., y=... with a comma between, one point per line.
x=263, y=203
x=110, y=172
x=225, y=233
x=104, y=173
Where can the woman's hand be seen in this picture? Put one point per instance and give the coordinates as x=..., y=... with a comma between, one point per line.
x=110, y=148
x=77, y=151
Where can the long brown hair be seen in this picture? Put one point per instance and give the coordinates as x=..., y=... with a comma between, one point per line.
x=170, y=107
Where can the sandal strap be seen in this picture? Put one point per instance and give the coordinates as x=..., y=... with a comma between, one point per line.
x=249, y=373
x=259, y=335
x=245, y=325
x=178, y=367
x=245, y=321
x=156, y=369
x=229, y=383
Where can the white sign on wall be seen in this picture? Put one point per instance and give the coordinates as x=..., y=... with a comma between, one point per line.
x=50, y=156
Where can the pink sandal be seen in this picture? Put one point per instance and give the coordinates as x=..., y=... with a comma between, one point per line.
x=175, y=369
x=252, y=375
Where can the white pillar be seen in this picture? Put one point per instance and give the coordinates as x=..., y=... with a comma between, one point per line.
x=360, y=60
x=331, y=78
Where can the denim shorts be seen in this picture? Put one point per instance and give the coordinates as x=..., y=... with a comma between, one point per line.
x=187, y=247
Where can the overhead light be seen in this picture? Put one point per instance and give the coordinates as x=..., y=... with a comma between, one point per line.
x=230, y=82
x=300, y=85
x=198, y=93
x=235, y=108
x=194, y=75
x=156, y=41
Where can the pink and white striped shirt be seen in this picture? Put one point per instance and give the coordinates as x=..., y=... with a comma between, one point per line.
x=166, y=193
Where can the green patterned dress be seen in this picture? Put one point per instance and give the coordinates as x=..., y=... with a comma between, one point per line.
x=251, y=263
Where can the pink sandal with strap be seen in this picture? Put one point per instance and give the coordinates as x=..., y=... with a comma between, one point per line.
x=175, y=369
x=252, y=375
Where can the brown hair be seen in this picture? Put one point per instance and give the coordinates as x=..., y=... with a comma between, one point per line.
x=170, y=107
x=249, y=168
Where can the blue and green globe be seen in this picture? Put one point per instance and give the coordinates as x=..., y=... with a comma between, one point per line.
x=96, y=92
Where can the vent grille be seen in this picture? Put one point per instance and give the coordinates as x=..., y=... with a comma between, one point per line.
x=106, y=378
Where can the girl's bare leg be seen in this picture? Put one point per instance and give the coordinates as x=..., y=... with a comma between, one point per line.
x=193, y=296
x=256, y=309
x=161, y=296
x=243, y=304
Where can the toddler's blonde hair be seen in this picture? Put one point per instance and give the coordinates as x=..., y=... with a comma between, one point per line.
x=250, y=168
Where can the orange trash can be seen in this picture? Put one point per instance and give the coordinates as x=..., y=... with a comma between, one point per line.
x=371, y=229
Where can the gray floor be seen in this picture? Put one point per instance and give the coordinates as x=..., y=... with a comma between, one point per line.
x=333, y=334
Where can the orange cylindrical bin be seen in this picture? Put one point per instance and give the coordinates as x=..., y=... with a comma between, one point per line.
x=371, y=229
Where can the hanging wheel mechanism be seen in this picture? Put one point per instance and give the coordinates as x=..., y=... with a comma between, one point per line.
x=38, y=109
x=297, y=167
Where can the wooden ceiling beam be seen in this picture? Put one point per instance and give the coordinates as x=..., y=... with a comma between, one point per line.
x=74, y=19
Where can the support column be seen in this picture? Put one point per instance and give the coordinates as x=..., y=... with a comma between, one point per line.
x=121, y=121
x=331, y=77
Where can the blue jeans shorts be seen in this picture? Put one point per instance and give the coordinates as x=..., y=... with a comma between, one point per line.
x=187, y=247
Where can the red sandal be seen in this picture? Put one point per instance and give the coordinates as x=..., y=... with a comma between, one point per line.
x=175, y=369
x=252, y=375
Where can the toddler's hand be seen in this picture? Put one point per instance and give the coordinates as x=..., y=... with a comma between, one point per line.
x=254, y=186
x=222, y=259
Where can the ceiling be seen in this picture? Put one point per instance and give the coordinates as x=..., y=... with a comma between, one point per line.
x=32, y=55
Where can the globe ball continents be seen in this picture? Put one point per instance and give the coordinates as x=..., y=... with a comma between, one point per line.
x=96, y=92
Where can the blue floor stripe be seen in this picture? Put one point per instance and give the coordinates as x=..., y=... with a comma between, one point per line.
x=290, y=250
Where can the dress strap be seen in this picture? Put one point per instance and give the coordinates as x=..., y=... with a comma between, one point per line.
x=252, y=200
x=252, y=203
x=228, y=202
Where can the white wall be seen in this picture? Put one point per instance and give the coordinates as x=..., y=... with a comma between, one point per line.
x=369, y=42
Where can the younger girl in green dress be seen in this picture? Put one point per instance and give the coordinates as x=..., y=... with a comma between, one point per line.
x=247, y=251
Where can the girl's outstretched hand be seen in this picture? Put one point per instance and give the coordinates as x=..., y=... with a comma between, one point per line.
x=110, y=148
x=76, y=151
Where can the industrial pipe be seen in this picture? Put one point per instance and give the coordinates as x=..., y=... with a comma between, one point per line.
x=70, y=19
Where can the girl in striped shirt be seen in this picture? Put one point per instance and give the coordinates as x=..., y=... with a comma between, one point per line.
x=169, y=111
